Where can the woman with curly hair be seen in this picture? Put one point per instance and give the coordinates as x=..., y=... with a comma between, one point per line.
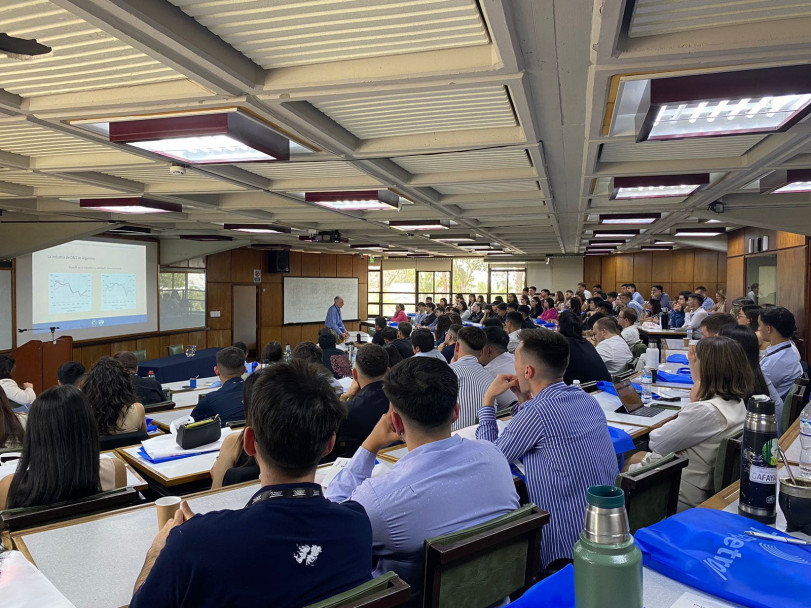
x=109, y=390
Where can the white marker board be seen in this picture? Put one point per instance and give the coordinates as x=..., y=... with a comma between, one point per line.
x=306, y=299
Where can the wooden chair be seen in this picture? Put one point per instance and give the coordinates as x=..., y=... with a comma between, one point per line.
x=483, y=564
x=14, y=520
x=160, y=406
x=652, y=491
x=140, y=355
x=111, y=442
x=175, y=349
x=385, y=591
x=728, y=462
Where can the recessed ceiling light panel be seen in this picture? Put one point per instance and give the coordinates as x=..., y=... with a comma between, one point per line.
x=699, y=231
x=363, y=200
x=784, y=182
x=407, y=225
x=258, y=228
x=658, y=186
x=629, y=218
x=133, y=205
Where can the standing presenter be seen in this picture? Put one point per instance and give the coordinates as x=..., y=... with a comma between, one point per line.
x=334, y=321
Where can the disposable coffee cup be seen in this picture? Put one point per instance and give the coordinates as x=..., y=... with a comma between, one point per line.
x=167, y=507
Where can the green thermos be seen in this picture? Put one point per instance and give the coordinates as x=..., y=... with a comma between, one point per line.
x=607, y=562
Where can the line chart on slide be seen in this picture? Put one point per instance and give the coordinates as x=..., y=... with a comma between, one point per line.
x=69, y=292
x=118, y=292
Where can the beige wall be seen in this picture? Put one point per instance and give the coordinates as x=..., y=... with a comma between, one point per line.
x=559, y=275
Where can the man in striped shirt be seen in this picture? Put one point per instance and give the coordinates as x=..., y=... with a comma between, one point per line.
x=473, y=378
x=560, y=433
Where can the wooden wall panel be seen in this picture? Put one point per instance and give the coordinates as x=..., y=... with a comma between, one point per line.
x=722, y=270
x=705, y=269
x=244, y=262
x=327, y=265
x=360, y=267
x=661, y=267
x=736, y=243
x=272, y=305
x=592, y=269
x=736, y=277
x=218, y=297
x=218, y=267
x=791, y=271
x=789, y=239
x=123, y=345
x=291, y=334
x=310, y=265
x=219, y=338
x=344, y=265
x=625, y=268
x=295, y=264
x=609, y=272
x=309, y=332
x=642, y=268
x=271, y=334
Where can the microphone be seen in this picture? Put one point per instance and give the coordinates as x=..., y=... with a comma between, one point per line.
x=22, y=330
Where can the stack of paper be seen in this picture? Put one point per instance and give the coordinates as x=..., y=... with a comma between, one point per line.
x=165, y=446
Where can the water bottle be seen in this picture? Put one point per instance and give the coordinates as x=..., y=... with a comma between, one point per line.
x=288, y=354
x=646, y=379
x=805, y=442
x=607, y=562
x=759, y=461
x=576, y=383
x=689, y=333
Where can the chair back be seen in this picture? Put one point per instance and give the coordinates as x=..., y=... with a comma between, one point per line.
x=140, y=355
x=624, y=374
x=14, y=520
x=160, y=406
x=728, y=461
x=652, y=491
x=794, y=401
x=111, y=442
x=175, y=349
x=639, y=349
x=481, y=565
x=386, y=591
x=235, y=424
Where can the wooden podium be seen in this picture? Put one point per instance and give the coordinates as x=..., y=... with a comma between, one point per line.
x=38, y=362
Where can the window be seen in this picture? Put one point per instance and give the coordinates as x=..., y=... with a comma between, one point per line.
x=504, y=281
x=434, y=284
x=398, y=288
x=182, y=298
x=373, y=304
x=470, y=276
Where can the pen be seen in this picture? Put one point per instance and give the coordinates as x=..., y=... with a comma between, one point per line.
x=782, y=539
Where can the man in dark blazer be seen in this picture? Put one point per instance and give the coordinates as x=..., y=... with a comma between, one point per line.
x=227, y=400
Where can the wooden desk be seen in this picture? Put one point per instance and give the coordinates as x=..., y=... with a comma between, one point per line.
x=185, y=397
x=102, y=573
x=162, y=420
x=653, y=337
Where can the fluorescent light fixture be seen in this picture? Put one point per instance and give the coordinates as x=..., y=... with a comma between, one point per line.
x=712, y=221
x=397, y=252
x=600, y=242
x=368, y=247
x=231, y=136
x=629, y=218
x=475, y=246
x=258, y=228
x=134, y=205
x=418, y=255
x=615, y=234
x=764, y=100
x=597, y=253
x=698, y=231
x=658, y=186
x=206, y=237
x=656, y=248
x=407, y=225
x=786, y=181
x=362, y=200
x=454, y=237
x=665, y=242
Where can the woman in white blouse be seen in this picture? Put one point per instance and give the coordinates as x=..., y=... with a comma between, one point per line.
x=723, y=379
x=20, y=396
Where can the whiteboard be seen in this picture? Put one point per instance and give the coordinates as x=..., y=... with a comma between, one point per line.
x=307, y=299
x=6, y=325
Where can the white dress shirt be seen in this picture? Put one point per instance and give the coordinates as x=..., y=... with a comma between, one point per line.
x=694, y=319
x=434, y=353
x=630, y=335
x=514, y=341
x=615, y=353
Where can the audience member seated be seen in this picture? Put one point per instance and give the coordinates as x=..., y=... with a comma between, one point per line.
x=585, y=363
x=448, y=347
x=548, y=313
x=714, y=323
x=627, y=321
x=749, y=314
x=559, y=432
x=707, y=302
x=512, y=325
x=233, y=464
x=527, y=323
x=695, y=315
x=612, y=297
x=147, y=390
x=109, y=390
x=611, y=347
x=18, y=396
x=366, y=402
x=723, y=380
x=679, y=311
x=419, y=315
x=422, y=342
x=311, y=353
x=394, y=355
x=476, y=313
x=272, y=353
x=602, y=309
x=651, y=310
x=12, y=425
x=443, y=484
x=430, y=316
x=748, y=340
x=60, y=456
x=627, y=301
x=226, y=400
x=249, y=368
x=443, y=323
x=334, y=359
x=500, y=311
x=781, y=363
x=720, y=302
x=380, y=323
x=70, y=372
x=657, y=293
x=473, y=378
x=294, y=547
x=400, y=315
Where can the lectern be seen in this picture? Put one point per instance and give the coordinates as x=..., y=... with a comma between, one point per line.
x=38, y=362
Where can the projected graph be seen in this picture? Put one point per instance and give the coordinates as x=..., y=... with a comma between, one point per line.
x=69, y=292
x=118, y=292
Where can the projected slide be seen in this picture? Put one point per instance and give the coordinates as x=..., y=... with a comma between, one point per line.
x=69, y=293
x=85, y=284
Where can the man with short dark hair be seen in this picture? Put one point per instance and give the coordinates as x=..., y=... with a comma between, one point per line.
x=473, y=378
x=403, y=340
x=417, y=320
x=627, y=300
x=422, y=343
x=366, y=402
x=501, y=311
x=627, y=321
x=430, y=317
x=148, y=390
x=657, y=293
x=612, y=298
x=635, y=295
x=707, y=303
x=512, y=325
x=72, y=372
x=544, y=294
x=380, y=324
x=443, y=484
x=272, y=353
x=288, y=546
x=613, y=350
x=581, y=287
x=679, y=312
x=227, y=400
x=781, y=363
x=527, y=323
x=714, y=323
x=558, y=431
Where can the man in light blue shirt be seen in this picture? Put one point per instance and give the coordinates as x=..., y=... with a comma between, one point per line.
x=627, y=300
x=657, y=293
x=334, y=321
x=781, y=363
x=443, y=484
x=416, y=321
x=707, y=303
x=635, y=295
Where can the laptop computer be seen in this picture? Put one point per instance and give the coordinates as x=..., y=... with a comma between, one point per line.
x=632, y=402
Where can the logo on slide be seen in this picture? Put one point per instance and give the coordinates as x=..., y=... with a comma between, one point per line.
x=307, y=554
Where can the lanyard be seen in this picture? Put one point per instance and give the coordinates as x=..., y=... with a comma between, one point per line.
x=299, y=492
x=777, y=350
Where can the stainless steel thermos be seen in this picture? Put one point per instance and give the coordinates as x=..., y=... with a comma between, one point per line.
x=759, y=461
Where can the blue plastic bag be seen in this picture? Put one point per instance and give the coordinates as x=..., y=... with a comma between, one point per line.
x=683, y=376
x=554, y=591
x=709, y=550
x=678, y=358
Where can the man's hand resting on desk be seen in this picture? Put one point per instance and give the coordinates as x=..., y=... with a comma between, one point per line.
x=183, y=514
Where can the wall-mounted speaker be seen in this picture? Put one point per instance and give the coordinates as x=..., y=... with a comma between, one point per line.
x=278, y=260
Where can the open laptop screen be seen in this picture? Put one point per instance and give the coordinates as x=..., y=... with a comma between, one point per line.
x=631, y=400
